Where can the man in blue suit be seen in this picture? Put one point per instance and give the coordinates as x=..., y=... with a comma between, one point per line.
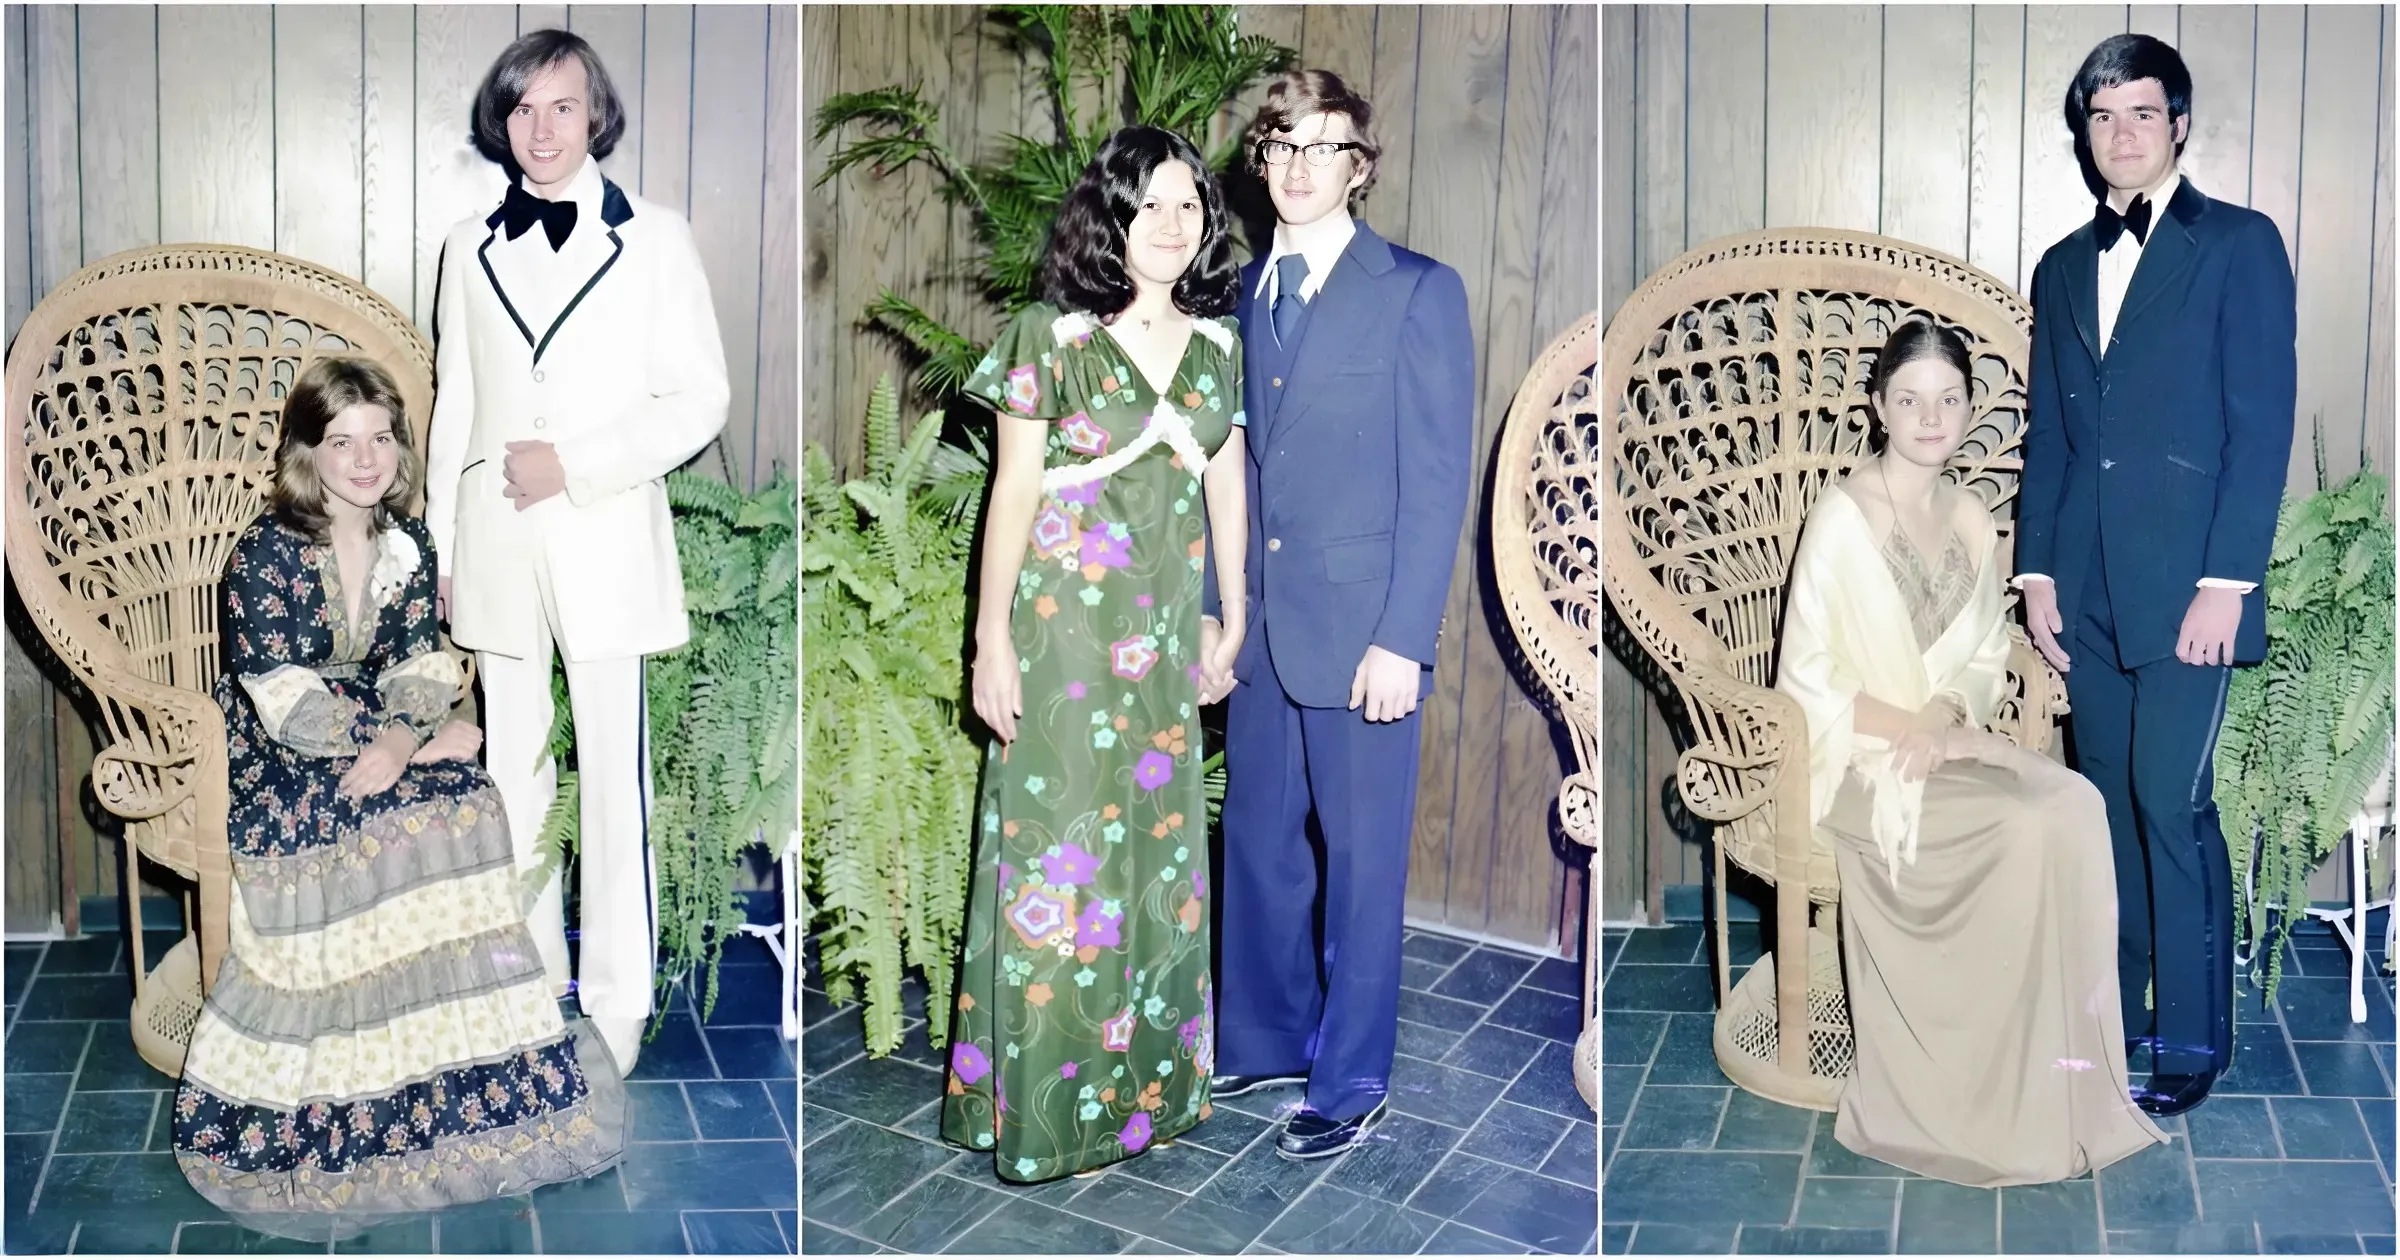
x=1359, y=400
x=2159, y=430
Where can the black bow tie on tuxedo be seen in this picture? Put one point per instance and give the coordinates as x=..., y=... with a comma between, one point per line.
x=521, y=208
x=2109, y=224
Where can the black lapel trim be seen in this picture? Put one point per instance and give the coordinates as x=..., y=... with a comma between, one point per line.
x=483, y=255
x=615, y=211
x=613, y=255
x=2083, y=288
x=2169, y=254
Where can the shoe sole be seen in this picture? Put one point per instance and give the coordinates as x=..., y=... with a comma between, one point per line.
x=1364, y=1131
x=1269, y=1083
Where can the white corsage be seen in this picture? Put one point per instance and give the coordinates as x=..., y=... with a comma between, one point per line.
x=1215, y=332
x=1072, y=327
x=396, y=560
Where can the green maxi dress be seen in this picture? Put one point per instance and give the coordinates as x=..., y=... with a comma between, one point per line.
x=1085, y=1029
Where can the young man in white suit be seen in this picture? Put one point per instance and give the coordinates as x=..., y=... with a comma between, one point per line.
x=578, y=362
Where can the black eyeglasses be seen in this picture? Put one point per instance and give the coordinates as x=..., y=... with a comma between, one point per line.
x=1278, y=152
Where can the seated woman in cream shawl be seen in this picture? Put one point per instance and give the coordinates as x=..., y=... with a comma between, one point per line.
x=1978, y=895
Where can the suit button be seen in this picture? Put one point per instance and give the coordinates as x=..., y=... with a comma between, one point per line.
x=537, y=376
x=1274, y=544
x=1279, y=382
x=540, y=422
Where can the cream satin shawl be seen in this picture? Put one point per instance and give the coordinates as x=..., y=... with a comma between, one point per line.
x=1846, y=630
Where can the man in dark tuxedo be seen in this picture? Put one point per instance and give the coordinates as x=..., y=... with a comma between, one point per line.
x=1359, y=388
x=2159, y=430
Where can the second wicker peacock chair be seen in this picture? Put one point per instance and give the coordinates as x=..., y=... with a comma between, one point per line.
x=143, y=399
x=1736, y=378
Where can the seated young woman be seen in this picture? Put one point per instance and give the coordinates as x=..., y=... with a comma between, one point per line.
x=1979, y=901
x=381, y=1039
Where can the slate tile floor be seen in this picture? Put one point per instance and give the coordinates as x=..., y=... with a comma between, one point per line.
x=709, y=1171
x=2291, y=1155
x=1489, y=1149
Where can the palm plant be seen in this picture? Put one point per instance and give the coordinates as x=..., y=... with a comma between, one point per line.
x=1171, y=66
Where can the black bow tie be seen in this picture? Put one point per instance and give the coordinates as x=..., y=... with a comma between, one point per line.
x=522, y=208
x=2108, y=224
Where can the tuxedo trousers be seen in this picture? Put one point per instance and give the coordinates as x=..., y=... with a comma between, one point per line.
x=616, y=872
x=1309, y=932
x=2146, y=736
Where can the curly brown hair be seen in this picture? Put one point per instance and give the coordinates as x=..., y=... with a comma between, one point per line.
x=1295, y=95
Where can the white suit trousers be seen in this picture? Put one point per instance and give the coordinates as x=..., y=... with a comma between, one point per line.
x=618, y=878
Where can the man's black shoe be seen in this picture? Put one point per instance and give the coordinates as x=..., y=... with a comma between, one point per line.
x=2173, y=1093
x=1236, y=1086
x=1308, y=1135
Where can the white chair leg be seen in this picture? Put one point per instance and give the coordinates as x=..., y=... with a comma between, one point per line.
x=2358, y=918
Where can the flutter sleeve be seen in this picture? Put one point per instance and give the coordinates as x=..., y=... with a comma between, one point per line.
x=1035, y=368
x=264, y=606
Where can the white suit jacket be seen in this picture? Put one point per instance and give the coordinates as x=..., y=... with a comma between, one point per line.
x=607, y=349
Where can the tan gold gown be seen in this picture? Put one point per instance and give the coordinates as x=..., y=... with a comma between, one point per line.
x=1982, y=973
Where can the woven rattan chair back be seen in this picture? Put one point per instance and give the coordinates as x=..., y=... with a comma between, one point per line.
x=145, y=393
x=1737, y=378
x=1546, y=561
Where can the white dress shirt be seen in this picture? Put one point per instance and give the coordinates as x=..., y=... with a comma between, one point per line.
x=1321, y=243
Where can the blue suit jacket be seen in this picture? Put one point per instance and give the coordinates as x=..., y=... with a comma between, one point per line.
x=2169, y=451
x=1358, y=470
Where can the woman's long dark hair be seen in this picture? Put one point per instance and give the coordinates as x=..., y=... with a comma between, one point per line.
x=1083, y=268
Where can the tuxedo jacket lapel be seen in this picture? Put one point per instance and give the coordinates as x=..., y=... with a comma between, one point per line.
x=2083, y=290
x=615, y=211
x=1346, y=300
x=2167, y=255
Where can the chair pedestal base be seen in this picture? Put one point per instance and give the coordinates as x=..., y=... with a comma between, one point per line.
x=1745, y=1036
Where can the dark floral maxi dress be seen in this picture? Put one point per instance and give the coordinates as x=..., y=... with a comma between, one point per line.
x=1084, y=1031
x=381, y=1038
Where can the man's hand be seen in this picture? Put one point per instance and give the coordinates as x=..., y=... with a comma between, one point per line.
x=379, y=765
x=441, y=598
x=1386, y=683
x=456, y=741
x=533, y=473
x=2042, y=620
x=1218, y=648
x=2209, y=626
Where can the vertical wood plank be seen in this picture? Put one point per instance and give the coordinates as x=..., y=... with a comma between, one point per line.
x=667, y=88
x=320, y=188
x=776, y=443
x=1625, y=838
x=1928, y=124
x=388, y=159
x=615, y=32
x=55, y=202
x=729, y=69
x=2159, y=21
x=1671, y=857
x=876, y=222
x=1824, y=112
x=216, y=125
x=120, y=129
x=2337, y=220
x=33, y=903
x=1460, y=132
x=2057, y=39
x=540, y=17
x=1659, y=147
x=2218, y=44
x=2380, y=404
x=1620, y=115
x=1397, y=30
x=455, y=46
x=16, y=223
x=957, y=98
x=1340, y=38
x=822, y=423
x=2275, y=138
x=1996, y=154
x=1728, y=190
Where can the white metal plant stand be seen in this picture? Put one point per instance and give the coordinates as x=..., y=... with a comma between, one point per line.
x=2350, y=922
x=783, y=939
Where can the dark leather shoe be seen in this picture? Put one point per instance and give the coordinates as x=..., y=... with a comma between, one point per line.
x=1308, y=1135
x=2173, y=1093
x=1236, y=1086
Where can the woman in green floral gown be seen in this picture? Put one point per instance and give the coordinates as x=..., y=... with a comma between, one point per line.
x=1084, y=1031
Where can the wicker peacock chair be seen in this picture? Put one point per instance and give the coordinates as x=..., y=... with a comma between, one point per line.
x=1737, y=375
x=1546, y=557
x=145, y=393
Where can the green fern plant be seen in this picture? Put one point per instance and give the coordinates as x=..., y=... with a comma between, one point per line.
x=2306, y=731
x=1172, y=66
x=724, y=755
x=891, y=770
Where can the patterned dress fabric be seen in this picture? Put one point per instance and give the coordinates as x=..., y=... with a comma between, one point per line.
x=381, y=1038
x=1084, y=1031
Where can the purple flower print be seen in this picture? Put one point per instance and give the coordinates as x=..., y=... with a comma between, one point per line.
x=1154, y=771
x=1084, y=437
x=1142, y=601
x=1086, y=494
x=1136, y=1133
x=1067, y=1069
x=1131, y=658
x=1098, y=926
x=1199, y=884
x=1040, y=916
x=1053, y=530
x=1117, y=1034
x=1076, y=691
x=1190, y=1032
x=1102, y=547
x=967, y=1059
x=1023, y=390
x=1070, y=865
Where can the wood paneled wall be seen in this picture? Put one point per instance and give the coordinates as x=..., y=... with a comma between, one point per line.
x=1488, y=118
x=339, y=134
x=1941, y=124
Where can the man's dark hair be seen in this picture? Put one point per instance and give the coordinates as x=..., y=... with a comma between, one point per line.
x=1083, y=267
x=519, y=64
x=2117, y=61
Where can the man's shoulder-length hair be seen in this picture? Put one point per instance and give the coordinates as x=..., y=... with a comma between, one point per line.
x=1295, y=95
x=519, y=63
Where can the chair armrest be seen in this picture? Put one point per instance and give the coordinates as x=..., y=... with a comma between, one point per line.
x=2033, y=700
x=167, y=745
x=1740, y=759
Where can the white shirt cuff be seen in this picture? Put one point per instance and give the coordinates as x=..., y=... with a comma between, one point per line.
x=2018, y=582
x=2229, y=584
